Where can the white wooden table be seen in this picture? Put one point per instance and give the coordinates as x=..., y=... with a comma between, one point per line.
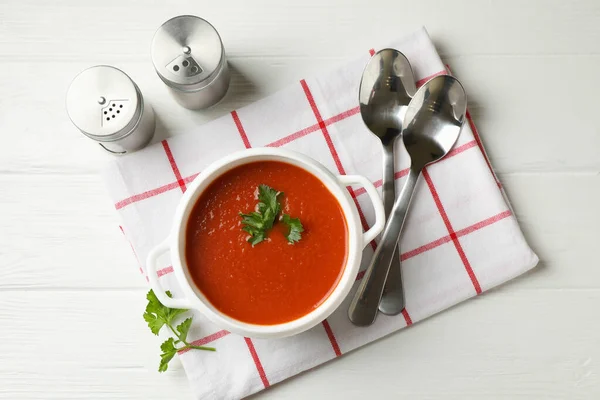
x=71, y=299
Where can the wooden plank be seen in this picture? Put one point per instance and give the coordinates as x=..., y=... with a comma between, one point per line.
x=307, y=28
x=81, y=344
x=57, y=146
x=530, y=110
x=560, y=217
x=502, y=345
x=505, y=344
x=523, y=125
x=61, y=232
x=70, y=293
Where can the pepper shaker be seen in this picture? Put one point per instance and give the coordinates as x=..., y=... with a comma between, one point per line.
x=189, y=57
x=108, y=107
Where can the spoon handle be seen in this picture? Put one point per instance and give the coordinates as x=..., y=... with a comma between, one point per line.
x=363, y=308
x=392, y=300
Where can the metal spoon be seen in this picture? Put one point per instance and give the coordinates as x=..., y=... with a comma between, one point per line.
x=433, y=122
x=386, y=88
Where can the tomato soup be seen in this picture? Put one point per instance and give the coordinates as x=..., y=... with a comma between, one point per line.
x=274, y=281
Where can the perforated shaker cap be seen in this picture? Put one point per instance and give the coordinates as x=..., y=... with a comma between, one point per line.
x=104, y=103
x=187, y=53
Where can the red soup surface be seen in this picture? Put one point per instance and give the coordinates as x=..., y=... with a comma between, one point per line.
x=274, y=281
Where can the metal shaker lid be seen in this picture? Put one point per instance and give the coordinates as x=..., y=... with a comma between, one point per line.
x=104, y=103
x=187, y=53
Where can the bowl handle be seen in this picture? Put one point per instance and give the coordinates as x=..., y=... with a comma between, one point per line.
x=379, y=224
x=151, y=265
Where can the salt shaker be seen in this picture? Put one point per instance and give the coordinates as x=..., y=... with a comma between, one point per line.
x=189, y=57
x=108, y=107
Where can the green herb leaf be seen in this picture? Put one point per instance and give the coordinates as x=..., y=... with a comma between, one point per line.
x=154, y=314
x=256, y=238
x=171, y=313
x=168, y=352
x=268, y=203
x=154, y=323
x=157, y=316
x=257, y=223
x=253, y=222
x=296, y=228
x=183, y=329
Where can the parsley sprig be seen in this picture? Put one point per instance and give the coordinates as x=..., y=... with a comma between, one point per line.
x=257, y=223
x=296, y=228
x=157, y=316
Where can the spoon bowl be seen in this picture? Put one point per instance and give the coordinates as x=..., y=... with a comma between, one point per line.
x=386, y=88
x=434, y=119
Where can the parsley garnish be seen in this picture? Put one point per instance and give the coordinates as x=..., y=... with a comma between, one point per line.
x=257, y=223
x=296, y=228
x=157, y=316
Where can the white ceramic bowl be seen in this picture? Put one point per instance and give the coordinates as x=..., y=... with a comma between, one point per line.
x=175, y=243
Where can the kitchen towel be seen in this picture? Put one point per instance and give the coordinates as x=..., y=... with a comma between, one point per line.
x=460, y=238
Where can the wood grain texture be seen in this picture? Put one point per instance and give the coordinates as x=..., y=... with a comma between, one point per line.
x=504, y=344
x=71, y=295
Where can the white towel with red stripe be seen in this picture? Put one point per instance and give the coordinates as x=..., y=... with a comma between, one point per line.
x=460, y=238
